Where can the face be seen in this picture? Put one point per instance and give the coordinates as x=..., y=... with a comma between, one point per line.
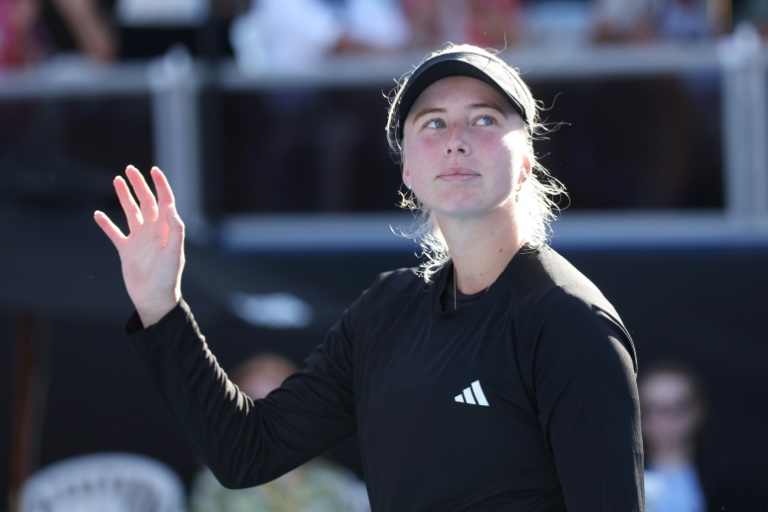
x=464, y=149
x=670, y=414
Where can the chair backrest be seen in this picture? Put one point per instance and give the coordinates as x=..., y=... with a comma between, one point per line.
x=104, y=482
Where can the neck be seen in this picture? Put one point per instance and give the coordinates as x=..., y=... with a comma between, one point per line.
x=480, y=251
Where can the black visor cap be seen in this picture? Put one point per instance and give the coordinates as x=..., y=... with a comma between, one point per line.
x=474, y=65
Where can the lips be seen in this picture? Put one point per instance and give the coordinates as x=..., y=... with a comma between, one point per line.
x=458, y=174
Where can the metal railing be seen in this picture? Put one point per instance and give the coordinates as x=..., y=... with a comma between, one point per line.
x=174, y=83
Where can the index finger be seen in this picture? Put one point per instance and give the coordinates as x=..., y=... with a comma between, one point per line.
x=162, y=187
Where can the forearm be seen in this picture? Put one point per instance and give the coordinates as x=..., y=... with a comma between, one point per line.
x=245, y=443
x=217, y=418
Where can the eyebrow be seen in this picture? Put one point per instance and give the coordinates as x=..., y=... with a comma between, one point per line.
x=492, y=106
x=473, y=106
x=426, y=111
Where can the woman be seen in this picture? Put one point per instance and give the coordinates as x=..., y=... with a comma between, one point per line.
x=496, y=377
x=674, y=412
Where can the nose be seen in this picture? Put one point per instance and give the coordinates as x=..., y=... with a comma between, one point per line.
x=457, y=141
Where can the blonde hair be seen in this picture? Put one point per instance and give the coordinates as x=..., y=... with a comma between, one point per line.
x=536, y=204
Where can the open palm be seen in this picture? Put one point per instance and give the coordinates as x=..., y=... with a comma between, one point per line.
x=152, y=254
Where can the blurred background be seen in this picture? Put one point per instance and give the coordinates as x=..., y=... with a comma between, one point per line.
x=268, y=117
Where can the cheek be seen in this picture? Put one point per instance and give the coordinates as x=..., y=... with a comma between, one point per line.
x=517, y=150
x=404, y=163
x=415, y=155
x=406, y=166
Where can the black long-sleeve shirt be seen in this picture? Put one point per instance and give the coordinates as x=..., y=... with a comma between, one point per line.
x=522, y=400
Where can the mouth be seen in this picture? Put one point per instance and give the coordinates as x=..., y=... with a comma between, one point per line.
x=458, y=175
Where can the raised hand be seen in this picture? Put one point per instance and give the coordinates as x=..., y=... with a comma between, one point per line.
x=152, y=254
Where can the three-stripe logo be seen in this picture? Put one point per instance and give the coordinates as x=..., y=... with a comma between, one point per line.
x=472, y=395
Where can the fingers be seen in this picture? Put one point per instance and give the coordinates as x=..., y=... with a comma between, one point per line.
x=147, y=207
x=164, y=192
x=130, y=208
x=109, y=228
x=143, y=193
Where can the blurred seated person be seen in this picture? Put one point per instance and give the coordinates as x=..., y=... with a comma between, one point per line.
x=673, y=410
x=484, y=23
x=370, y=25
x=689, y=20
x=660, y=20
x=32, y=31
x=317, y=486
x=298, y=34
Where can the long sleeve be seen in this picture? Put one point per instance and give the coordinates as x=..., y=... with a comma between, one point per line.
x=245, y=442
x=584, y=381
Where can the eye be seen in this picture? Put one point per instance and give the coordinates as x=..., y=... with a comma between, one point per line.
x=435, y=123
x=485, y=121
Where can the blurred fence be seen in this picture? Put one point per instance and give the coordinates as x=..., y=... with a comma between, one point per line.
x=176, y=82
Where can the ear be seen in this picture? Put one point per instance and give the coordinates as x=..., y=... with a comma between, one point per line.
x=406, y=176
x=525, y=169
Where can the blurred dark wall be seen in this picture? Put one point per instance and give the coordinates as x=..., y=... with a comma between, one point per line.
x=704, y=307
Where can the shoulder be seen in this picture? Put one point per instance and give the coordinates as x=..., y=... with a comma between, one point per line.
x=393, y=285
x=562, y=306
x=542, y=280
x=388, y=289
x=544, y=272
x=394, y=280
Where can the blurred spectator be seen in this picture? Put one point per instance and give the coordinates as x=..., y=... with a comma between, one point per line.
x=33, y=30
x=317, y=486
x=485, y=23
x=623, y=20
x=83, y=26
x=20, y=41
x=296, y=34
x=752, y=11
x=648, y=20
x=493, y=23
x=674, y=412
x=371, y=25
x=562, y=23
x=686, y=20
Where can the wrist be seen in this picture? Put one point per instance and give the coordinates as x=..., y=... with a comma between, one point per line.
x=151, y=314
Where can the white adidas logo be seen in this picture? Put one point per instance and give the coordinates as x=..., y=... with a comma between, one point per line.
x=473, y=395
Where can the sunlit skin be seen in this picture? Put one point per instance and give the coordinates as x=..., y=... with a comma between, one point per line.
x=152, y=253
x=465, y=156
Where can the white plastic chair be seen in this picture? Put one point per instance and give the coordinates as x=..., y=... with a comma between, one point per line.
x=104, y=482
